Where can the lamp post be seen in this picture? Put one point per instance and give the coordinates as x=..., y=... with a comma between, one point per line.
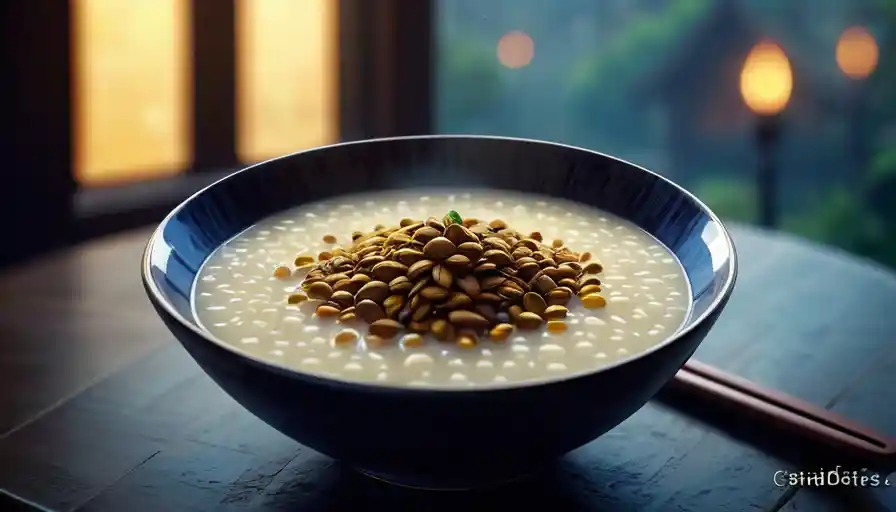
x=766, y=82
x=857, y=56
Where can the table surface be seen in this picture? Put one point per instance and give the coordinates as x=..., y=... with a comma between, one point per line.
x=101, y=409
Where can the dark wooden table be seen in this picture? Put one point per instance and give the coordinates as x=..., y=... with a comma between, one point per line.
x=100, y=409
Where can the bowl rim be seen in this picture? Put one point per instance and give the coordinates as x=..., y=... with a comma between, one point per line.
x=159, y=300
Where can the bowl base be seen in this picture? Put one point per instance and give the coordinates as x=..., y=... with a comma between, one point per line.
x=453, y=485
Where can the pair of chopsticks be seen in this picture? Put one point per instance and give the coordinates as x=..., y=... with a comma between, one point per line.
x=845, y=441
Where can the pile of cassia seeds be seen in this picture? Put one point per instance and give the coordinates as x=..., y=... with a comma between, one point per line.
x=457, y=279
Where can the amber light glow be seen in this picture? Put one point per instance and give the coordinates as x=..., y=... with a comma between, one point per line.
x=131, y=89
x=516, y=49
x=857, y=53
x=766, y=80
x=286, y=76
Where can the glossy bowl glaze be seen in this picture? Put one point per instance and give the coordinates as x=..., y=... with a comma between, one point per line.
x=425, y=437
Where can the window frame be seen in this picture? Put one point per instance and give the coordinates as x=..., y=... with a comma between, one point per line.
x=385, y=89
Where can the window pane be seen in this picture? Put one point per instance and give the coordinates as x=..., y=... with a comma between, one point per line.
x=132, y=89
x=658, y=82
x=286, y=76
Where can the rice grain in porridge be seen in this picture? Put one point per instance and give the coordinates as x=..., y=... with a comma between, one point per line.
x=241, y=294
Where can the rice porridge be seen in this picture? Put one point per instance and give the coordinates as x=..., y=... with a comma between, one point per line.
x=514, y=301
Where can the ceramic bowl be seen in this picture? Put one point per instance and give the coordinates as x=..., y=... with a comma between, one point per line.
x=434, y=438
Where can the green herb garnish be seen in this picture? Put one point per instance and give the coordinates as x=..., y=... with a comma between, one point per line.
x=453, y=218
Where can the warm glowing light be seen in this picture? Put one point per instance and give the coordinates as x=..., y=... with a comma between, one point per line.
x=766, y=80
x=516, y=49
x=286, y=76
x=857, y=53
x=131, y=89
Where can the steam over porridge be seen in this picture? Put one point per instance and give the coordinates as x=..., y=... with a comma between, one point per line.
x=442, y=289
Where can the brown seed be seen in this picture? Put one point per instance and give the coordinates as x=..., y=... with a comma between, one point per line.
x=442, y=276
x=400, y=285
x=459, y=234
x=393, y=305
x=329, y=239
x=589, y=289
x=567, y=282
x=458, y=300
x=407, y=256
x=497, y=224
x=510, y=292
x=326, y=311
x=496, y=243
x=552, y=272
x=296, y=298
x=514, y=311
x=565, y=271
x=593, y=301
x=369, y=311
x=302, y=261
x=420, y=327
x=470, y=221
x=547, y=262
x=347, y=285
x=535, y=303
x=481, y=230
x=587, y=280
x=527, y=270
x=319, y=291
x=435, y=224
x=470, y=285
x=458, y=262
x=343, y=298
x=439, y=248
x=537, y=256
x=282, y=272
x=491, y=282
x=421, y=284
x=593, y=267
x=442, y=330
x=370, y=261
x=386, y=271
x=347, y=317
x=420, y=268
x=489, y=297
x=557, y=243
x=488, y=312
x=558, y=296
x=555, y=312
x=356, y=235
x=557, y=326
x=468, y=320
x=498, y=257
x=398, y=238
x=385, y=328
x=376, y=291
x=500, y=332
x=521, y=252
x=435, y=293
x=563, y=256
x=535, y=235
x=543, y=284
x=528, y=320
x=324, y=256
x=422, y=311
x=335, y=278
x=406, y=222
x=585, y=256
x=483, y=268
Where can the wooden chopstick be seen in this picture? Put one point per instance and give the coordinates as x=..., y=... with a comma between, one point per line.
x=847, y=440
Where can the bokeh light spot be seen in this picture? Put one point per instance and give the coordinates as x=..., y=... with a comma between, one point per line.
x=516, y=49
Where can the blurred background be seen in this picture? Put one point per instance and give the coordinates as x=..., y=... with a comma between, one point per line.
x=774, y=113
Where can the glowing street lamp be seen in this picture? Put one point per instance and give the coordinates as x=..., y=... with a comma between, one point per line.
x=766, y=83
x=857, y=55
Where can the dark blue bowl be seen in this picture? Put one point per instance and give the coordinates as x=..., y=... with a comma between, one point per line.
x=440, y=438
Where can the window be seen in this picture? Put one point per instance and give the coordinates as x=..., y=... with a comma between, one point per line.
x=131, y=90
x=286, y=76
